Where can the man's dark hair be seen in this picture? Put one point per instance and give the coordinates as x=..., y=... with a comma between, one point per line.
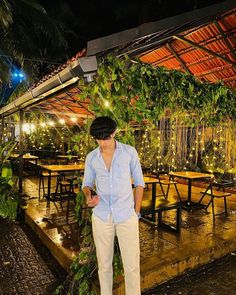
x=102, y=127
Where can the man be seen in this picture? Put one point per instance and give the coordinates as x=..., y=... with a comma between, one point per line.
x=111, y=168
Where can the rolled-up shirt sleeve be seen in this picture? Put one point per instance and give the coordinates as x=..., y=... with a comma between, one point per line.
x=136, y=170
x=89, y=173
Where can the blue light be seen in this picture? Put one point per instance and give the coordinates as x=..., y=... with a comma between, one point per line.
x=18, y=76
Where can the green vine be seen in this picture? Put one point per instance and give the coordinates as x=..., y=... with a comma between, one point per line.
x=131, y=91
x=9, y=195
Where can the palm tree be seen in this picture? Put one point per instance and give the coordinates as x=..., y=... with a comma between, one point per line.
x=27, y=33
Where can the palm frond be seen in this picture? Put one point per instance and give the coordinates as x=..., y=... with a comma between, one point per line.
x=6, y=16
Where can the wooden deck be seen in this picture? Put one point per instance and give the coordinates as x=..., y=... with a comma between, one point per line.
x=164, y=254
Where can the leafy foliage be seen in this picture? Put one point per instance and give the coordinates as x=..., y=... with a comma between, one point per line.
x=130, y=91
x=9, y=195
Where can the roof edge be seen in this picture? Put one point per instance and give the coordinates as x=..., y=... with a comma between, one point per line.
x=115, y=40
x=82, y=67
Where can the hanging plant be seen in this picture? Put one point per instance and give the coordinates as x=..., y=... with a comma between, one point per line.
x=131, y=91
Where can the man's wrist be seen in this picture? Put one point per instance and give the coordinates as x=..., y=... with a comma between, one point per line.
x=138, y=215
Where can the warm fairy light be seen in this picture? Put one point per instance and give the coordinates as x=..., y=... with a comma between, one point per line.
x=28, y=128
x=106, y=103
x=51, y=123
x=62, y=121
x=73, y=119
x=43, y=124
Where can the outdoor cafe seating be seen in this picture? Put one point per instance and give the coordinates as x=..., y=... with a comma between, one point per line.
x=42, y=176
x=215, y=194
x=222, y=181
x=166, y=181
x=158, y=208
x=153, y=208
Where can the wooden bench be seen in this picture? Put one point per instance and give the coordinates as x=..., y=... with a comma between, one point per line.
x=210, y=192
x=160, y=207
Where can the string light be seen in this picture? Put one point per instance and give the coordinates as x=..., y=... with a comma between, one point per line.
x=62, y=121
x=106, y=103
x=73, y=119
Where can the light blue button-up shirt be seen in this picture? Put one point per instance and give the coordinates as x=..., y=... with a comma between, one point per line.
x=115, y=186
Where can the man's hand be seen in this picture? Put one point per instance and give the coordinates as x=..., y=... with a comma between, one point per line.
x=91, y=198
x=93, y=201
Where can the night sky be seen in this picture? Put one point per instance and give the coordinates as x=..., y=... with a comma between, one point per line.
x=91, y=19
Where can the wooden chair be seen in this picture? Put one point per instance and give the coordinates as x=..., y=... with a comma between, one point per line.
x=214, y=194
x=73, y=196
x=222, y=181
x=64, y=186
x=166, y=182
x=42, y=175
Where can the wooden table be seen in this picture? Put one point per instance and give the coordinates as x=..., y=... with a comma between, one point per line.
x=67, y=157
x=59, y=168
x=190, y=176
x=26, y=158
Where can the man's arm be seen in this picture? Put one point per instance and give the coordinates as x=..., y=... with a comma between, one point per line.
x=136, y=173
x=138, y=196
x=88, y=183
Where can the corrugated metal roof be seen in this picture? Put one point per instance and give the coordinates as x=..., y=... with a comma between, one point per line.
x=214, y=36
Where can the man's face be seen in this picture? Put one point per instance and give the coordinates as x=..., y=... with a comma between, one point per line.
x=106, y=143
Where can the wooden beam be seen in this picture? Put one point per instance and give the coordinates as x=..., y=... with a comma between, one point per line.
x=189, y=42
x=227, y=43
x=76, y=101
x=171, y=49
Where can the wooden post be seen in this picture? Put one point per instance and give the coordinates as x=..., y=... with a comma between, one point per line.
x=21, y=151
x=2, y=131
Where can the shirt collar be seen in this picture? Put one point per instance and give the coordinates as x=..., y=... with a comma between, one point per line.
x=118, y=147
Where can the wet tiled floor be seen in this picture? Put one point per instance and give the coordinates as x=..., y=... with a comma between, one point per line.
x=26, y=266
x=164, y=254
x=216, y=278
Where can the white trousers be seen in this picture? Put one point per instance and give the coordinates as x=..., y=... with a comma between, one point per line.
x=128, y=238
